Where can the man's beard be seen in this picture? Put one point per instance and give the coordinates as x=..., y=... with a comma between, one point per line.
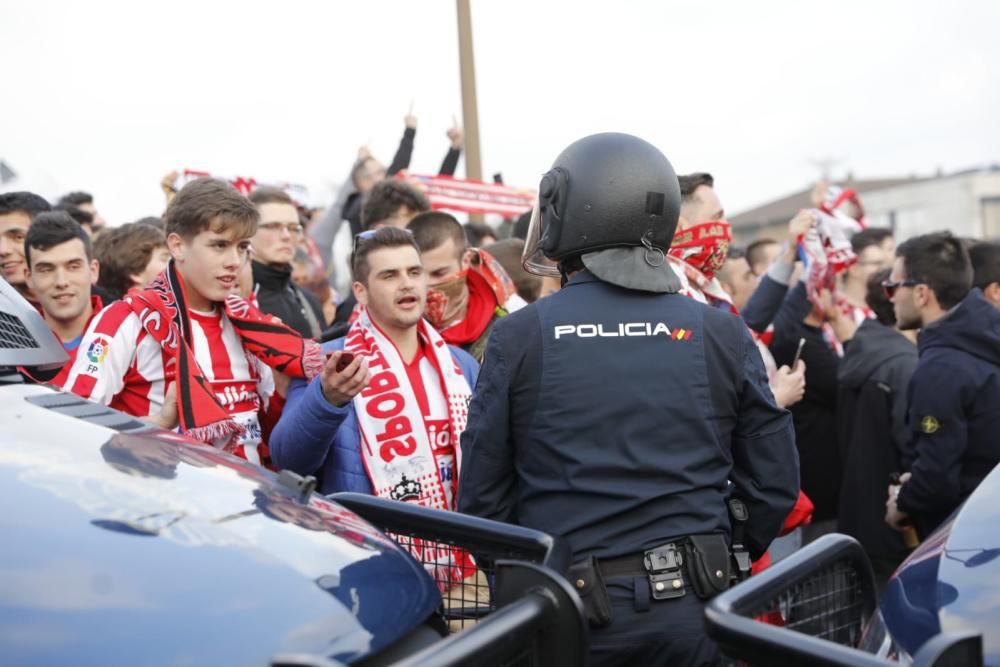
x=910, y=323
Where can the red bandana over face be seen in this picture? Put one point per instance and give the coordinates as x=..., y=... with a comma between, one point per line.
x=703, y=246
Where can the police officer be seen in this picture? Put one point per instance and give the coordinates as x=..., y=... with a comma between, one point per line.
x=622, y=416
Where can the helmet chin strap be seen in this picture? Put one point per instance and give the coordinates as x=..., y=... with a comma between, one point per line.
x=563, y=276
x=568, y=267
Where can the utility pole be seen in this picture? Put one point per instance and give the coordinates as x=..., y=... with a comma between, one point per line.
x=470, y=111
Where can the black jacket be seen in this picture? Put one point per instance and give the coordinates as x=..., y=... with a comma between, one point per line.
x=400, y=161
x=873, y=377
x=954, y=411
x=648, y=406
x=815, y=416
x=277, y=295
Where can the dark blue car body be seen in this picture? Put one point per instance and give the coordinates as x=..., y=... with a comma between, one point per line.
x=951, y=582
x=137, y=546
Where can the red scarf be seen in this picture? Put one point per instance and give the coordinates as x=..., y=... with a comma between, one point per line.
x=703, y=246
x=487, y=266
x=163, y=312
x=479, y=311
x=396, y=449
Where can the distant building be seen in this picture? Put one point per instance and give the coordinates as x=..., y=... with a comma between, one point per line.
x=967, y=203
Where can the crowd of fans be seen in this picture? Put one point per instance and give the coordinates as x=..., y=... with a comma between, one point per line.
x=244, y=293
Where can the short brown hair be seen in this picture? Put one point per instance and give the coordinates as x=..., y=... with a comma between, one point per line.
x=433, y=229
x=269, y=195
x=876, y=299
x=691, y=182
x=208, y=203
x=387, y=197
x=53, y=228
x=756, y=251
x=940, y=261
x=372, y=240
x=125, y=251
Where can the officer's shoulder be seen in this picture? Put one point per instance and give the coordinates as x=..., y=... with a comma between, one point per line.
x=722, y=321
x=522, y=317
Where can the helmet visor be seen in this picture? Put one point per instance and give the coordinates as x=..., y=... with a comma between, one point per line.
x=533, y=260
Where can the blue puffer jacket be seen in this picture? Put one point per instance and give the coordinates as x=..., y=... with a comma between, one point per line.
x=315, y=438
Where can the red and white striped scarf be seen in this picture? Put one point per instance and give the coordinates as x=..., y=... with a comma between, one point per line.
x=163, y=313
x=696, y=285
x=827, y=246
x=472, y=196
x=395, y=447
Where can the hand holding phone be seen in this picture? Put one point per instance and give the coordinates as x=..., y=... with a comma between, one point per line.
x=798, y=354
x=345, y=360
x=340, y=387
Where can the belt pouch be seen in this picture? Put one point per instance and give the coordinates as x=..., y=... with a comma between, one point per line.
x=589, y=584
x=708, y=564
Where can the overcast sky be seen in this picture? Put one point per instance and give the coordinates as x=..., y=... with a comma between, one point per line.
x=108, y=96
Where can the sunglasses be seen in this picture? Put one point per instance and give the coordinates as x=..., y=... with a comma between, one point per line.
x=889, y=288
x=361, y=236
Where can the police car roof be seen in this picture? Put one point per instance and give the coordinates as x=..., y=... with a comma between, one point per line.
x=952, y=581
x=124, y=544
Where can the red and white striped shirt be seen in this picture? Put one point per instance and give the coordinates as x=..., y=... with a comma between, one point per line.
x=120, y=365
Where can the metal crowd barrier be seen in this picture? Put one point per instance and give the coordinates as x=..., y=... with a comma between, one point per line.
x=516, y=610
x=811, y=608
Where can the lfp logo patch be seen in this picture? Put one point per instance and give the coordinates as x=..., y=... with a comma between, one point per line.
x=98, y=350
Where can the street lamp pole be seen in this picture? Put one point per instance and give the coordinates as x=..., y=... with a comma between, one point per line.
x=470, y=111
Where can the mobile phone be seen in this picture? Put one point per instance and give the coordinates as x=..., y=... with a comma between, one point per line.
x=345, y=360
x=798, y=353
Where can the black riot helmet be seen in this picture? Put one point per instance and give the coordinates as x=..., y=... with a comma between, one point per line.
x=603, y=192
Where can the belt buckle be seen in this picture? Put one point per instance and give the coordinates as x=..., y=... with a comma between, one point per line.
x=663, y=564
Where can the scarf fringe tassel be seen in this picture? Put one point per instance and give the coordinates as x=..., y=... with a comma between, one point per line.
x=212, y=433
x=313, y=359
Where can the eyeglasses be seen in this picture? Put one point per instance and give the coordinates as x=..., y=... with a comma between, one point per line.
x=293, y=228
x=889, y=288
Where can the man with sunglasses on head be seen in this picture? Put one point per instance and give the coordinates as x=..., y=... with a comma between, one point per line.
x=274, y=244
x=954, y=394
x=385, y=415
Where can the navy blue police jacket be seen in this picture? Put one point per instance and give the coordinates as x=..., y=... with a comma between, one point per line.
x=620, y=420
